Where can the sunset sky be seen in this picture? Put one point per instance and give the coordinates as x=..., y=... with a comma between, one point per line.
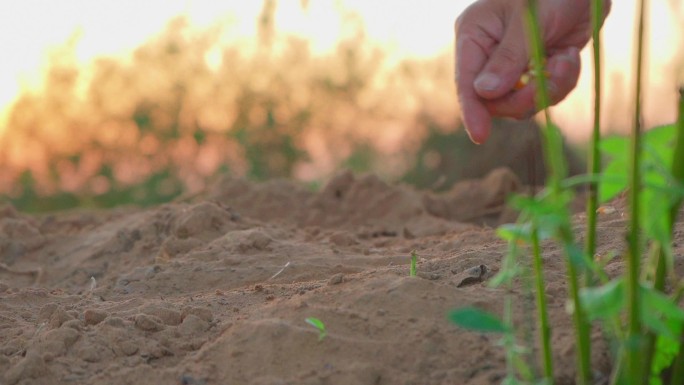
x=31, y=29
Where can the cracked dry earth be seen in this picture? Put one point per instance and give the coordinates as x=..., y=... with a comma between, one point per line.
x=216, y=290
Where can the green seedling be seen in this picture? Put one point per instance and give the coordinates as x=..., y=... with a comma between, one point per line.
x=318, y=324
x=414, y=260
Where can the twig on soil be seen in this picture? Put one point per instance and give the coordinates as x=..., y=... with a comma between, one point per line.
x=280, y=271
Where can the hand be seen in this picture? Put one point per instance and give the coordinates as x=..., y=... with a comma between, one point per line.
x=492, y=53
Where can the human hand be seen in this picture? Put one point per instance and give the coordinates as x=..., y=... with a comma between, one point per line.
x=492, y=53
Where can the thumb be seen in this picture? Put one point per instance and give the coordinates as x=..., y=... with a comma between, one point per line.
x=505, y=65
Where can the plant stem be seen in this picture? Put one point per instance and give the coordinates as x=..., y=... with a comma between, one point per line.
x=678, y=174
x=544, y=330
x=634, y=365
x=553, y=150
x=594, y=153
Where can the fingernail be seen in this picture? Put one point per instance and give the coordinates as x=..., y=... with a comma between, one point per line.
x=472, y=139
x=487, y=82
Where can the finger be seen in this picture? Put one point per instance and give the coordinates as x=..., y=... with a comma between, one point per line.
x=476, y=119
x=518, y=105
x=505, y=64
x=563, y=69
x=470, y=57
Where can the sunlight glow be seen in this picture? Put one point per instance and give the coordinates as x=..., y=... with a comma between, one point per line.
x=31, y=30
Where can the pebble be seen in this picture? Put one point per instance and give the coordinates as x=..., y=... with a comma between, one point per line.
x=94, y=317
x=116, y=322
x=336, y=279
x=167, y=316
x=192, y=324
x=148, y=323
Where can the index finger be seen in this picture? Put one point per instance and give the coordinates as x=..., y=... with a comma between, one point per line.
x=470, y=59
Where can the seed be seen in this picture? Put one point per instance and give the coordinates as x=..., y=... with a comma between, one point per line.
x=522, y=82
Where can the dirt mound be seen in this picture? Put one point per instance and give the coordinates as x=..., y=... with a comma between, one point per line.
x=217, y=290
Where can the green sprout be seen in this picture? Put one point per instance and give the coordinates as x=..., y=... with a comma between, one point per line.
x=414, y=259
x=318, y=324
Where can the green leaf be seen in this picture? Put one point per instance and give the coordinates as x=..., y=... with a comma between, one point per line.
x=510, y=267
x=514, y=231
x=656, y=324
x=656, y=301
x=657, y=156
x=601, y=302
x=318, y=324
x=661, y=139
x=578, y=258
x=504, y=276
x=511, y=380
x=655, y=214
x=660, y=313
x=615, y=149
x=475, y=319
x=665, y=352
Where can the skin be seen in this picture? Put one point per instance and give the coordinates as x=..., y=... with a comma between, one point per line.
x=492, y=53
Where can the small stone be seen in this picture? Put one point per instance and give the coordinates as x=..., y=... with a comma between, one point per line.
x=201, y=312
x=75, y=324
x=336, y=279
x=90, y=353
x=58, y=317
x=94, y=317
x=473, y=275
x=343, y=239
x=116, y=322
x=188, y=379
x=148, y=323
x=192, y=325
x=428, y=276
x=167, y=316
x=128, y=348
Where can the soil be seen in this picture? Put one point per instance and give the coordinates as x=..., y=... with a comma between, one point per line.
x=216, y=290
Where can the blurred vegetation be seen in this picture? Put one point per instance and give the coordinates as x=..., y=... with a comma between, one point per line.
x=191, y=105
x=187, y=106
